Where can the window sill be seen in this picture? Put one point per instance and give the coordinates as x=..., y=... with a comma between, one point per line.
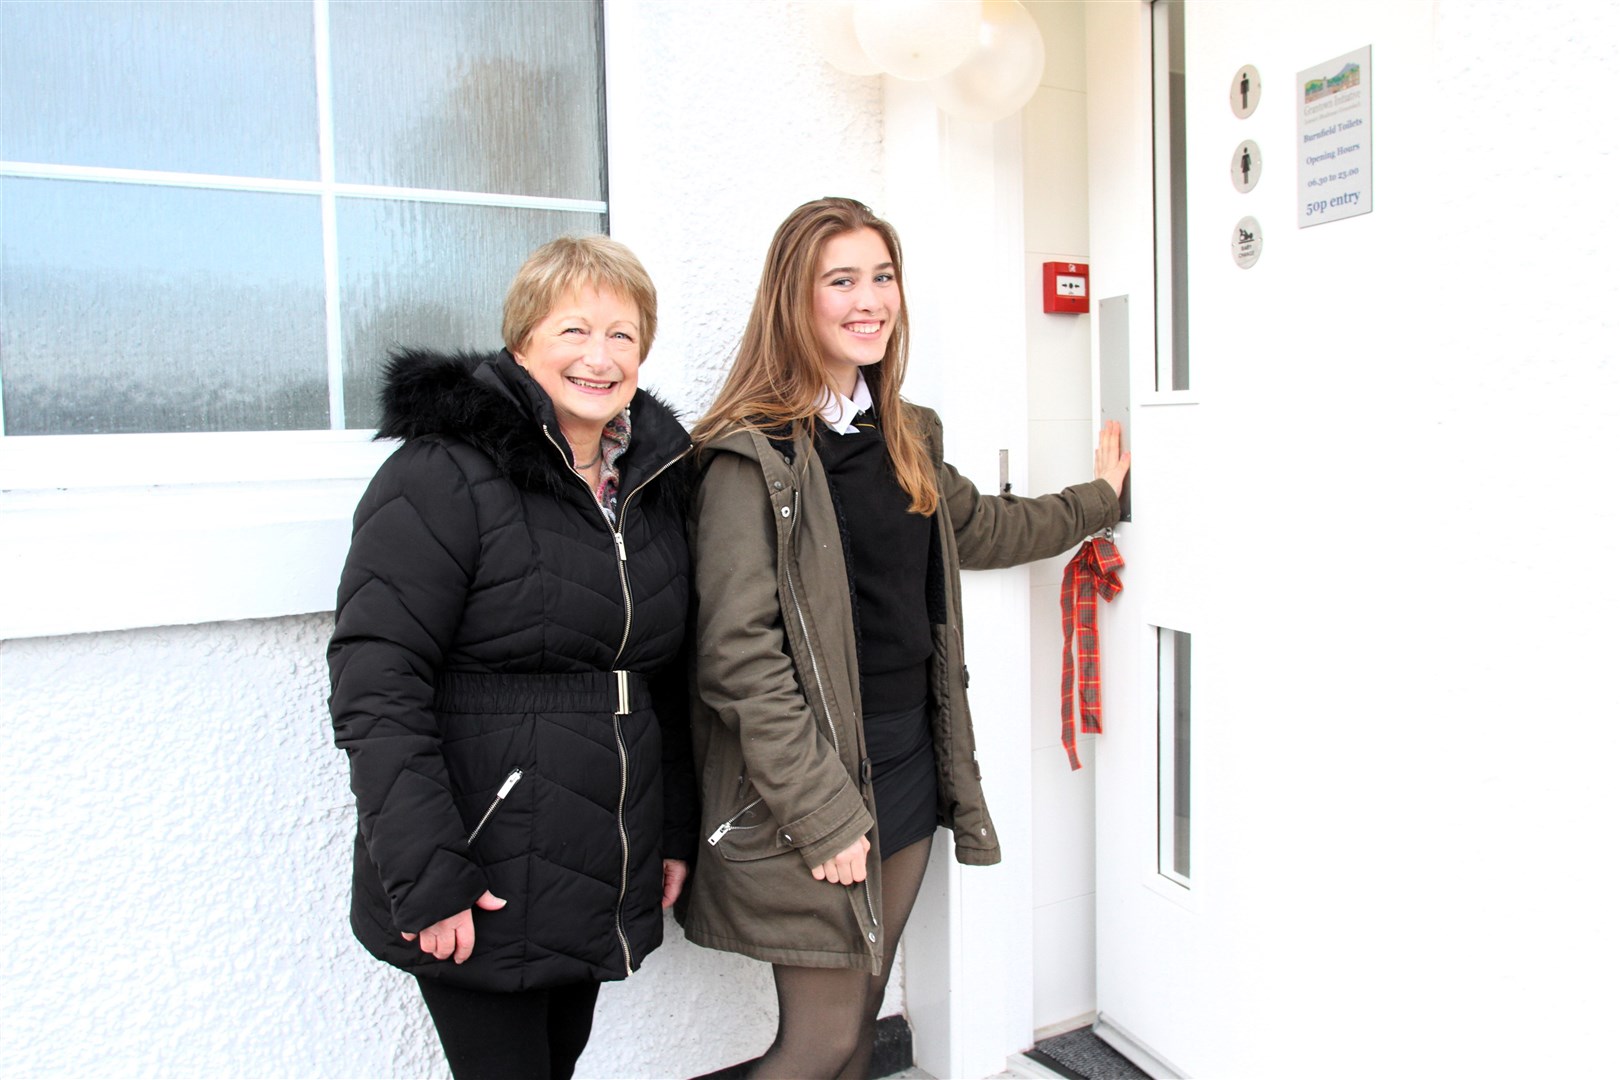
x=117, y=532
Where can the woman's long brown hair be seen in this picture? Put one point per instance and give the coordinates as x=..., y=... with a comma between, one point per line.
x=780, y=376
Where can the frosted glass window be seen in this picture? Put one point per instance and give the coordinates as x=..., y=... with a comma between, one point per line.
x=128, y=308
x=224, y=88
x=490, y=97
x=1175, y=755
x=220, y=216
x=428, y=274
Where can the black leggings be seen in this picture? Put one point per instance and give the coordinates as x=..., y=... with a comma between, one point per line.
x=530, y=1034
x=827, y=1017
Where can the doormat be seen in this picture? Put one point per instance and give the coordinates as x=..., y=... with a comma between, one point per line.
x=1080, y=1055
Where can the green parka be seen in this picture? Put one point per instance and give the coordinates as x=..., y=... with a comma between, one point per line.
x=776, y=719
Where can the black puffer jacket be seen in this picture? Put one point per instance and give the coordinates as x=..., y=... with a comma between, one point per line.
x=482, y=619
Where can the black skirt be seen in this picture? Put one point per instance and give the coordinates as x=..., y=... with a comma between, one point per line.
x=904, y=783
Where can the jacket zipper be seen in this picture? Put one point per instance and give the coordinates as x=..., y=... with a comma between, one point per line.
x=618, y=542
x=804, y=629
x=506, y=789
x=726, y=825
x=624, y=847
x=624, y=640
x=618, y=534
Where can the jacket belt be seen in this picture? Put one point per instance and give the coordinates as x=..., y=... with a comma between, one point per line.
x=617, y=692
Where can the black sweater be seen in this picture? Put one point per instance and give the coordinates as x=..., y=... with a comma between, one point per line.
x=886, y=555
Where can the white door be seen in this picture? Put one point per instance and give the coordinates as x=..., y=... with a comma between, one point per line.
x=1357, y=749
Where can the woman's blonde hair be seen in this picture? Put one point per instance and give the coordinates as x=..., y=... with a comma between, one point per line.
x=780, y=376
x=570, y=263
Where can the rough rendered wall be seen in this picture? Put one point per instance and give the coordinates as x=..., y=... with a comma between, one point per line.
x=177, y=824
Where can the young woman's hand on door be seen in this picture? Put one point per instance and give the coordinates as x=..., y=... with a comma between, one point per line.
x=1110, y=462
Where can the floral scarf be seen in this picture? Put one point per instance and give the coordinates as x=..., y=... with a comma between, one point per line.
x=615, y=441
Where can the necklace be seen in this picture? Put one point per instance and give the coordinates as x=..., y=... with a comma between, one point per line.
x=590, y=463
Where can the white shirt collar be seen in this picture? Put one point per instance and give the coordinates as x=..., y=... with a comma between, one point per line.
x=839, y=411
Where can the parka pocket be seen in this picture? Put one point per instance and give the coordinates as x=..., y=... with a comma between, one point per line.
x=748, y=834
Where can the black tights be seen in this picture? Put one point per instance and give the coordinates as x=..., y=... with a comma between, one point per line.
x=827, y=1017
x=529, y=1034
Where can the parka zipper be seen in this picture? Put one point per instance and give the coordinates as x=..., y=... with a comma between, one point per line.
x=804, y=629
x=832, y=729
x=506, y=789
x=624, y=640
x=727, y=825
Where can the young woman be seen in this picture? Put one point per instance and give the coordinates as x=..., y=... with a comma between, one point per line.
x=507, y=671
x=830, y=718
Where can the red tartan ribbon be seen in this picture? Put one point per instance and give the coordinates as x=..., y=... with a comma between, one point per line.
x=1091, y=573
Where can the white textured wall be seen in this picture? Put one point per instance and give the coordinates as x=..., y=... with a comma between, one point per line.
x=722, y=119
x=177, y=825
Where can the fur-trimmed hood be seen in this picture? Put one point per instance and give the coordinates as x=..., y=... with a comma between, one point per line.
x=490, y=402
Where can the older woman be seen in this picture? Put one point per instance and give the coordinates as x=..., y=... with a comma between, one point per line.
x=504, y=668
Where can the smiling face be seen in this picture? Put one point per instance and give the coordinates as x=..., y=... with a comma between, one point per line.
x=585, y=354
x=857, y=300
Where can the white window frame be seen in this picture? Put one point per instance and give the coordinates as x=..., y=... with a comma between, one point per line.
x=111, y=532
x=1168, y=700
x=1162, y=392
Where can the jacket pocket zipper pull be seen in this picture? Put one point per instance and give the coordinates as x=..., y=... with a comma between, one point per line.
x=730, y=823
x=506, y=789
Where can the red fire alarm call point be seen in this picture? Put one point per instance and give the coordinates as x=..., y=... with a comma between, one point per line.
x=1066, y=287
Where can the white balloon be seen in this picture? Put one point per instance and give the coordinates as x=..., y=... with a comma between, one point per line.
x=1002, y=72
x=917, y=39
x=832, y=31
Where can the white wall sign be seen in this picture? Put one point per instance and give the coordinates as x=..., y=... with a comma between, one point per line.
x=1245, y=94
x=1335, y=138
x=1247, y=241
x=1246, y=165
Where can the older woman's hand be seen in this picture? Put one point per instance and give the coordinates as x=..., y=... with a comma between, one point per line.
x=1111, y=463
x=674, y=878
x=453, y=937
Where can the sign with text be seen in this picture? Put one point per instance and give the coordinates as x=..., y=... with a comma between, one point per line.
x=1335, y=138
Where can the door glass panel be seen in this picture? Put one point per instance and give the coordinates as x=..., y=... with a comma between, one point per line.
x=224, y=88
x=487, y=97
x=1170, y=193
x=432, y=275
x=129, y=308
x=1175, y=755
